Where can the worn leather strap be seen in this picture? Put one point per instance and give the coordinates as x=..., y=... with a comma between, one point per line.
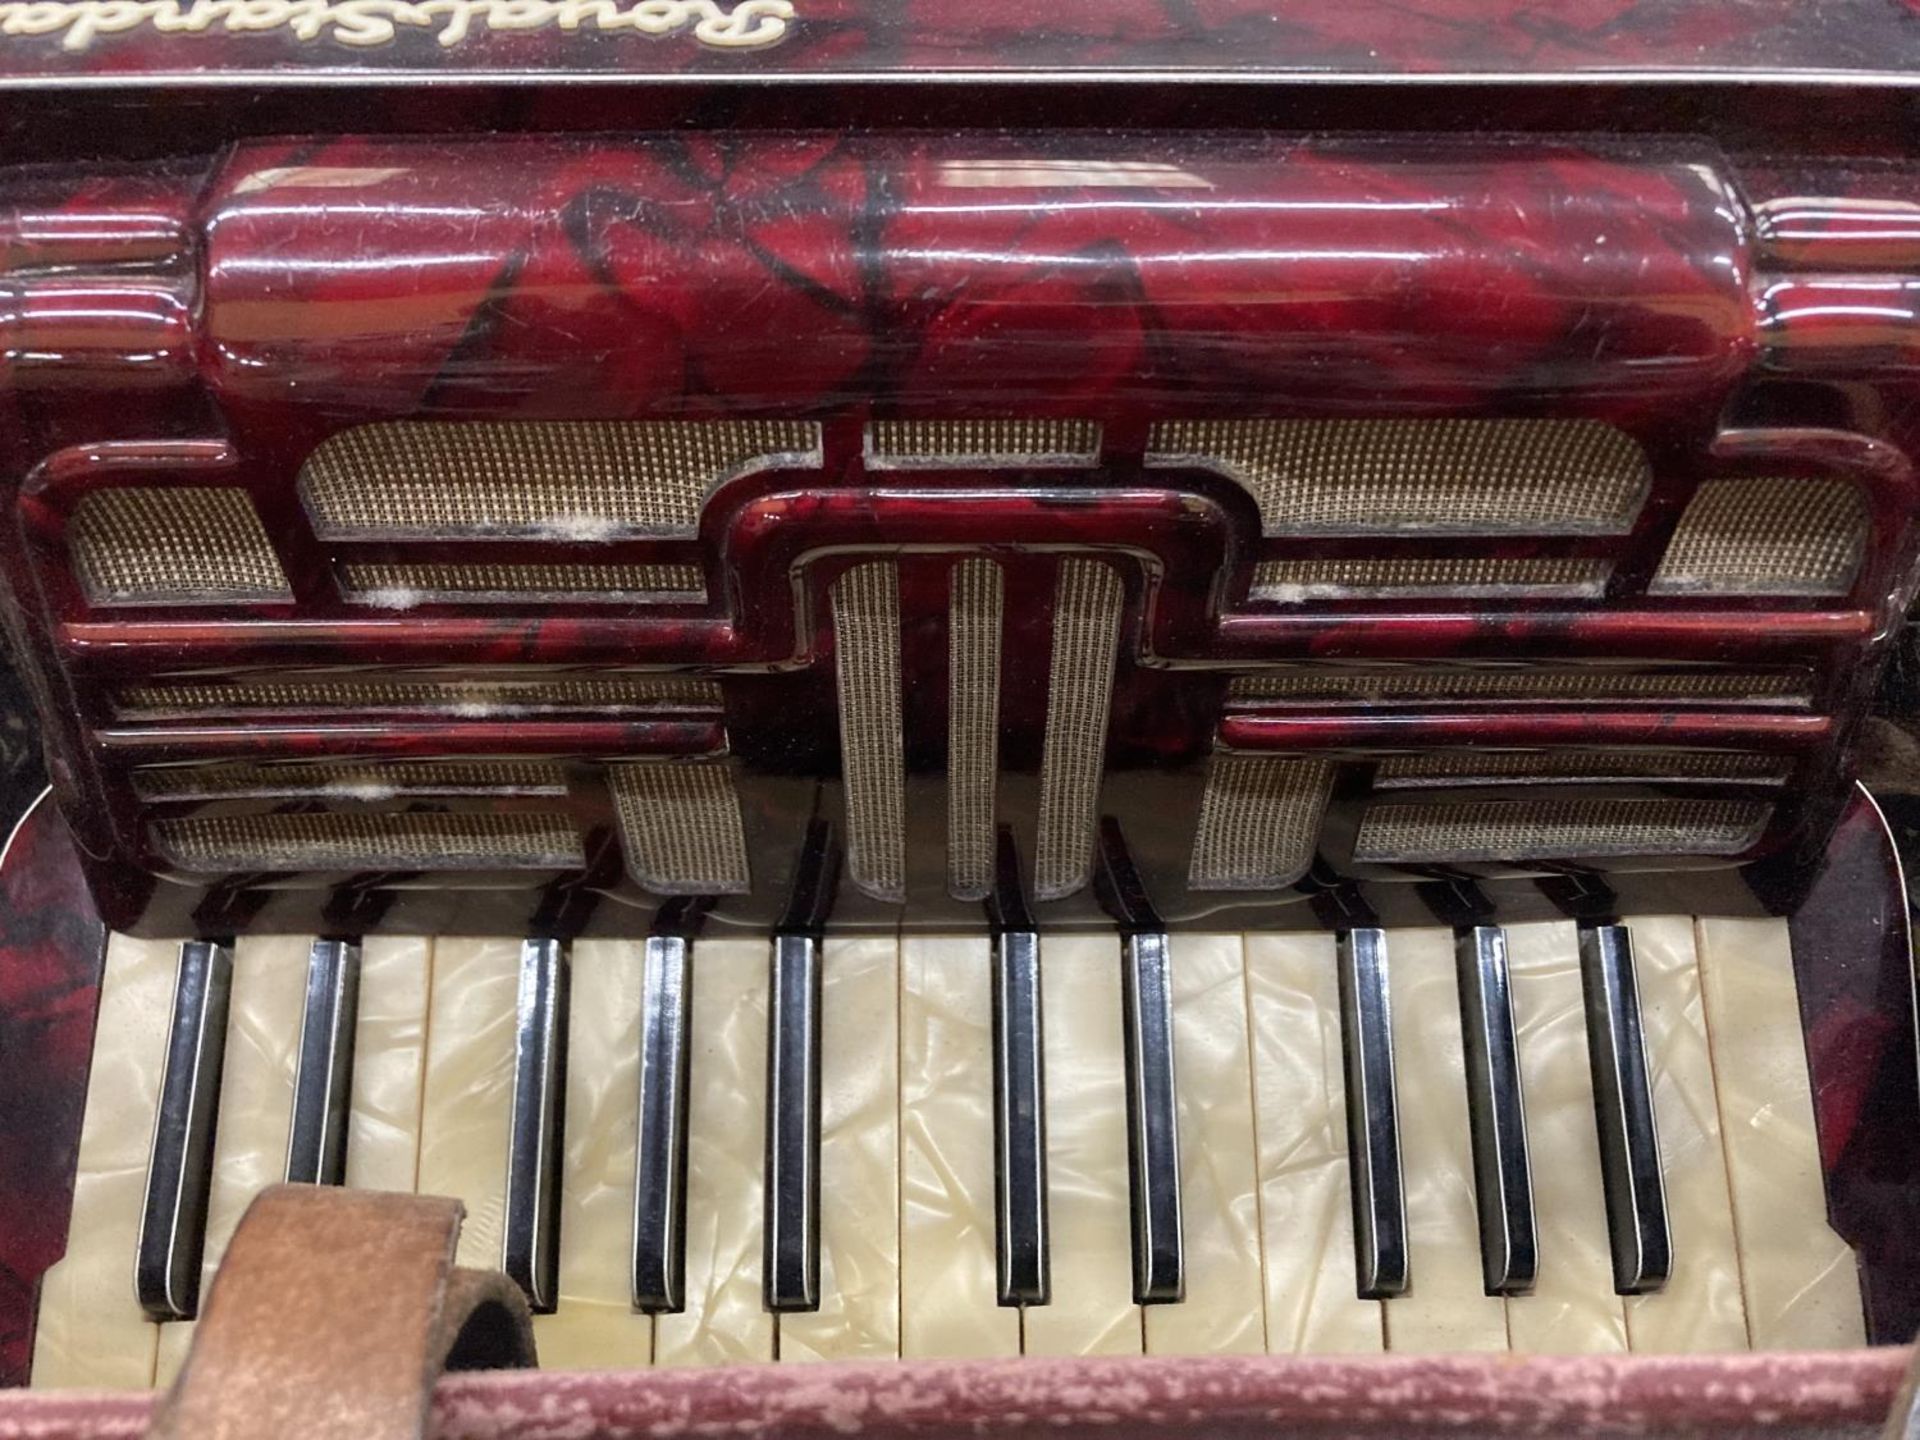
x=333, y=1314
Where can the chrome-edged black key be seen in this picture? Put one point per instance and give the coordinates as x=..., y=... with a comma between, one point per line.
x=173, y=1220
x=790, y=1267
x=1502, y=1174
x=323, y=1077
x=1373, y=1116
x=1019, y=1125
x=660, y=1162
x=1630, y=1175
x=1153, y=1121
x=530, y=1245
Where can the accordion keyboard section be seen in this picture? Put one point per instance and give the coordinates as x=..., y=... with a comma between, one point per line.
x=581, y=606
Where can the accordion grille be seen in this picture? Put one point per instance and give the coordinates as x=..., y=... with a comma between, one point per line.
x=973, y=748
x=1306, y=685
x=361, y=842
x=1494, y=830
x=466, y=699
x=1259, y=821
x=1470, y=767
x=1465, y=477
x=557, y=480
x=1445, y=576
x=399, y=586
x=173, y=545
x=681, y=826
x=1768, y=535
x=866, y=638
x=1088, y=601
x=925, y=444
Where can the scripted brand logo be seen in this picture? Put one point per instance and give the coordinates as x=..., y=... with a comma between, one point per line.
x=79, y=23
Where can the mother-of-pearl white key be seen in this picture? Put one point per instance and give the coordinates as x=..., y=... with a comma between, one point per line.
x=389, y=1063
x=1306, y=1207
x=1572, y=1308
x=1445, y=1307
x=255, y=1106
x=1224, y=1308
x=859, y=1313
x=949, y=1295
x=1797, y=1276
x=594, y=1326
x=1092, y=1311
x=1700, y=1308
x=468, y=1098
x=91, y=1332
x=724, y=1320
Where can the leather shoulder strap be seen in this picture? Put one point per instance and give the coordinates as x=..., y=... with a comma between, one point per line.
x=333, y=1314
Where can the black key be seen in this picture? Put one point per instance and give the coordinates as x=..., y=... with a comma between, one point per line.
x=1019, y=1130
x=1623, y=1103
x=660, y=1166
x=323, y=1080
x=1153, y=1122
x=1373, y=1117
x=537, y=1139
x=790, y=1269
x=174, y=1219
x=1502, y=1176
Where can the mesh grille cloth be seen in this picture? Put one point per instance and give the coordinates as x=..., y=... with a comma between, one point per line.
x=1465, y=477
x=1259, y=822
x=1290, y=580
x=148, y=546
x=1463, y=767
x=866, y=639
x=1769, y=535
x=1557, y=829
x=1352, y=686
x=973, y=739
x=475, y=699
x=350, y=782
x=1086, y=635
x=398, y=586
x=680, y=824
x=364, y=842
x=563, y=480
x=902, y=444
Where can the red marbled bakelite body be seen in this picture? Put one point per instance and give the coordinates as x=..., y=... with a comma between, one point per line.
x=213, y=324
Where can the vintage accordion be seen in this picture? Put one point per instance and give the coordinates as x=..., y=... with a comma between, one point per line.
x=881, y=732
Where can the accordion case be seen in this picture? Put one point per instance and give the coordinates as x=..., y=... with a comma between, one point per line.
x=1129, y=717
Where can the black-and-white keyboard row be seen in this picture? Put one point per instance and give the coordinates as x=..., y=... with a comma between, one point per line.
x=1560, y=1139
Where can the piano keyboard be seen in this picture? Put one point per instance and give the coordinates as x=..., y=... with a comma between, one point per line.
x=1561, y=1140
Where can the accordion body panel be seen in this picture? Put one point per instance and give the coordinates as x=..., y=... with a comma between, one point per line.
x=554, y=526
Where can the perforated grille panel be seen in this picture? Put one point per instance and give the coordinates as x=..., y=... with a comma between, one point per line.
x=1766, y=536
x=398, y=587
x=1557, y=829
x=1306, y=685
x=1464, y=576
x=1086, y=633
x=1466, y=477
x=465, y=699
x=910, y=444
x=359, y=782
x=866, y=638
x=973, y=746
x=681, y=828
x=362, y=842
x=1468, y=767
x=1259, y=821
x=562, y=480
x=178, y=545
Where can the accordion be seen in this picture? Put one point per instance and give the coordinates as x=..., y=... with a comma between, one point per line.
x=1150, y=699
